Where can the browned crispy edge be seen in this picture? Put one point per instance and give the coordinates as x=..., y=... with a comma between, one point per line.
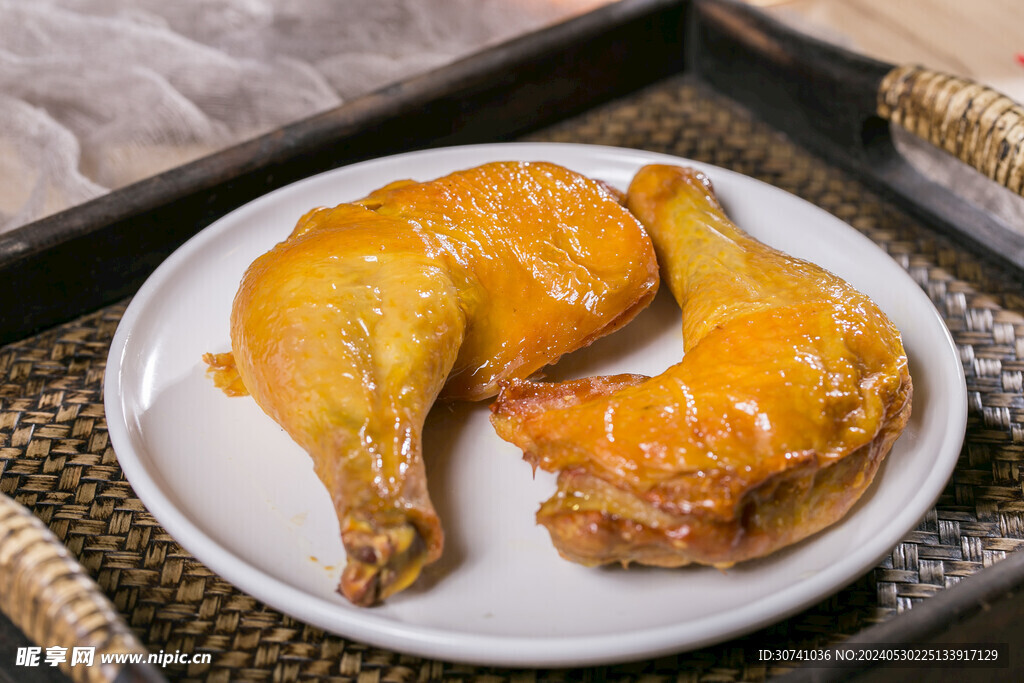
x=783, y=509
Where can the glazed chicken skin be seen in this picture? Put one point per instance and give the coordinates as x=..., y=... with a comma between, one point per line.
x=347, y=332
x=792, y=389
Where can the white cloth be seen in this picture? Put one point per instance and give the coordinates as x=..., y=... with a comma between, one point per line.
x=95, y=94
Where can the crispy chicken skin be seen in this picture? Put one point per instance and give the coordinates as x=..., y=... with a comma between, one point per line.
x=347, y=332
x=791, y=392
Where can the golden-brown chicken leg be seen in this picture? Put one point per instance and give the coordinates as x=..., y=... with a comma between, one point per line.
x=792, y=390
x=347, y=332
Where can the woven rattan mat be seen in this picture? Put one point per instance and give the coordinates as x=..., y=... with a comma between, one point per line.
x=56, y=459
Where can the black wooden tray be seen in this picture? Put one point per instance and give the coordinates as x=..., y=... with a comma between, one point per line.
x=826, y=99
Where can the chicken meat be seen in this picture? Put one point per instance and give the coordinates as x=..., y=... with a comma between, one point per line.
x=791, y=391
x=346, y=332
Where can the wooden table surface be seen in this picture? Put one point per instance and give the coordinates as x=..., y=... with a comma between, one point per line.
x=979, y=39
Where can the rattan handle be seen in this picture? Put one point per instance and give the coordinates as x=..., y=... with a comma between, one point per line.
x=51, y=598
x=973, y=122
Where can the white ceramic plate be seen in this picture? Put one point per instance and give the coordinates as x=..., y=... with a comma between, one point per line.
x=235, y=491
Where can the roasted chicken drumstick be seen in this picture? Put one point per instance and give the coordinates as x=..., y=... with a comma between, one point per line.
x=792, y=389
x=346, y=332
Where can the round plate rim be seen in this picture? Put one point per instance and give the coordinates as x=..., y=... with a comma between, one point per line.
x=476, y=648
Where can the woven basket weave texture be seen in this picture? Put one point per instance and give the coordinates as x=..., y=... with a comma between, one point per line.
x=56, y=459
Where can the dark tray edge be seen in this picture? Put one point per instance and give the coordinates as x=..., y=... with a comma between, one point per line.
x=101, y=251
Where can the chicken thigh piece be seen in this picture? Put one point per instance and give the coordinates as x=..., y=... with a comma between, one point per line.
x=792, y=389
x=347, y=332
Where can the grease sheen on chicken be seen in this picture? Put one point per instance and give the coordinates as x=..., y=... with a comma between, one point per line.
x=346, y=332
x=792, y=389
